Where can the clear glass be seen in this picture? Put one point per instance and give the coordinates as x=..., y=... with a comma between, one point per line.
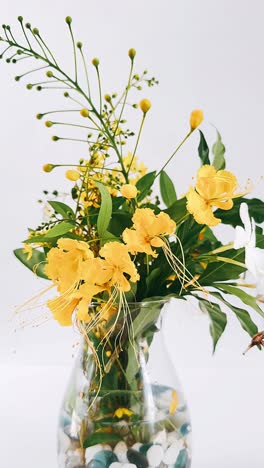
x=137, y=417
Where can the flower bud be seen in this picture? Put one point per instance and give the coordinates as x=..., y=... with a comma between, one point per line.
x=39, y=116
x=49, y=74
x=48, y=167
x=20, y=19
x=29, y=86
x=145, y=105
x=55, y=138
x=79, y=45
x=128, y=191
x=108, y=353
x=132, y=53
x=84, y=112
x=196, y=119
x=95, y=62
x=107, y=97
x=68, y=20
x=35, y=31
x=48, y=123
x=28, y=25
x=66, y=94
x=72, y=175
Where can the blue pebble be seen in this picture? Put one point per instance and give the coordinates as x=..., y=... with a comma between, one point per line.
x=182, y=460
x=95, y=464
x=106, y=457
x=185, y=429
x=144, y=448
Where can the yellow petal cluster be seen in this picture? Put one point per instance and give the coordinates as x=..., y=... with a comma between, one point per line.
x=147, y=231
x=128, y=191
x=213, y=189
x=117, y=264
x=72, y=175
x=196, y=118
x=121, y=412
x=79, y=276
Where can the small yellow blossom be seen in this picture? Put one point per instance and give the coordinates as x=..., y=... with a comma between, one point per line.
x=174, y=402
x=213, y=188
x=128, y=191
x=145, y=105
x=84, y=112
x=28, y=250
x=117, y=264
x=48, y=167
x=121, y=412
x=147, y=231
x=196, y=119
x=72, y=175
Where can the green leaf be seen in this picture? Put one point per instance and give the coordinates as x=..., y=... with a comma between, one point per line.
x=62, y=209
x=242, y=295
x=203, y=150
x=217, y=317
x=36, y=263
x=243, y=316
x=144, y=185
x=105, y=211
x=59, y=230
x=167, y=189
x=219, y=153
x=221, y=271
x=231, y=217
x=101, y=438
x=177, y=211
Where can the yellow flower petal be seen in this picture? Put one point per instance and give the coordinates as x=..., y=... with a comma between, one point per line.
x=174, y=402
x=128, y=191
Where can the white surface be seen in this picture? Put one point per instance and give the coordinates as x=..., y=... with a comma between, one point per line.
x=207, y=54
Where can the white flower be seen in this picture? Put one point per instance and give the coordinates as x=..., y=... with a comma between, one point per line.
x=246, y=237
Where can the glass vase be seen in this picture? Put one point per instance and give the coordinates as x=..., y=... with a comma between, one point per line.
x=124, y=406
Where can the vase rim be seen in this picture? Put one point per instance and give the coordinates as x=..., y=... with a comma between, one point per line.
x=140, y=303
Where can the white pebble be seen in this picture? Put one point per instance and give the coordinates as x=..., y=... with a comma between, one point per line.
x=137, y=446
x=161, y=439
x=172, y=452
x=121, y=452
x=116, y=465
x=172, y=437
x=154, y=455
x=91, y=451
x=64, y=441
x=128, y=465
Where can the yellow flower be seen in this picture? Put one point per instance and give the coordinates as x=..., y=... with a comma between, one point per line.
x=64, y=263
x=72, y=175
x=213, y=188
x=145, y=105
x=146, y=231
x=196, y=119
x=128, y=191
x=62, y=308
x=117, y=264
x=28, y=250
x=174, y=402
x=121, y=412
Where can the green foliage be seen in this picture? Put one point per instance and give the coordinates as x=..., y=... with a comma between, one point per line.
x=36, y=263
x=101, y=438
x=105, y=211
x=203, y=150
x=167, y=189
x=218, y=319
x=246, y=298
x=178, y=211
x=61, y=208
x=219, y=153
x=231, y=217
x=144, y=185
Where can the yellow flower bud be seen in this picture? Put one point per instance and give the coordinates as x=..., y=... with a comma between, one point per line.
x=107, y=98
x=196, y=118
x=48, y=123
x=145, y=105
x=72, y=175
x=129, y=191
x=48, y=167
x=108, y=353
x=84, y=112
x=95, y=62
x=132, y=53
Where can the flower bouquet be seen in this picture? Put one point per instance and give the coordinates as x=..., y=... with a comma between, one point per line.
x=116, y=249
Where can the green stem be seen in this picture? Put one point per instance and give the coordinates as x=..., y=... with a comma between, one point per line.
x=174, y=152
x=137, y=142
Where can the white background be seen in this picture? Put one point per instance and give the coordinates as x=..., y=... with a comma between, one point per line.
x=206, y=54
